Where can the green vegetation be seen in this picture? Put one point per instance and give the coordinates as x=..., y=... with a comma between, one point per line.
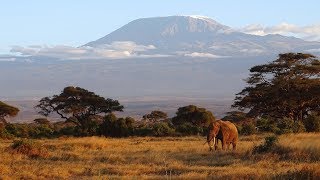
x=79, y=106
x=288, y=87
x=7, y=110
x=282, y=97
x=155, y=116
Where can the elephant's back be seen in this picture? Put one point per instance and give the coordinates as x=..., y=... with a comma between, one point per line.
x=233, y=133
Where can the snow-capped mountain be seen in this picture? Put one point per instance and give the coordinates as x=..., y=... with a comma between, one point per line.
x=199, y=36
x=191, y=56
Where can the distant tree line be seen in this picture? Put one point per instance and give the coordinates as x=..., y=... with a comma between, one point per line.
x=282, y=96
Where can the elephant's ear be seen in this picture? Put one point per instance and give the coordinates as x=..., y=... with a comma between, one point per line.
x=224, y=126
x=211, y=125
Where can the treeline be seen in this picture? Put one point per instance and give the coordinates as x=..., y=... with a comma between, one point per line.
x=189, y=120
x=282, y=96
x=247, y=125
x=157, y=124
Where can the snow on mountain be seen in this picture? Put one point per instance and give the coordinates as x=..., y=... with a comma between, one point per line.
x=199, y=34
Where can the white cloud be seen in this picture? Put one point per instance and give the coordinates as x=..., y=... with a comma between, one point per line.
x=127, y=46
x=311, y=32
x=11, y=59
x=204, y=55
x=115, y=50
x=252, y=51
x=314, y=50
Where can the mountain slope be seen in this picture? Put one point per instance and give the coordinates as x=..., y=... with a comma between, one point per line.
x=182, y=35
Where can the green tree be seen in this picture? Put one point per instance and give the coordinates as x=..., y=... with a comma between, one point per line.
x=312, y=123
x=155, y=116
x=288, y=87
x=117, y=127
x=162, y=129
x=7, y=110
x=235, y=116
x=79, y=106
x=194, y=115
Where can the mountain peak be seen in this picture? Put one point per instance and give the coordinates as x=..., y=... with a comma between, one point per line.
x=195, y=35
x=178, y=28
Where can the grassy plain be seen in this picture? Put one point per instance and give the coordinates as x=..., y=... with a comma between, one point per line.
x=163, y=158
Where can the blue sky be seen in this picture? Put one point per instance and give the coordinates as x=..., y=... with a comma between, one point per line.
x=75, y=22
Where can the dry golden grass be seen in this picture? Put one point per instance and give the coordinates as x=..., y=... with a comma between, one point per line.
x=163, y=158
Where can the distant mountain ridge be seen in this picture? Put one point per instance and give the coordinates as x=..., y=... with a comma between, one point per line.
x=189, y=56
x=198, y=35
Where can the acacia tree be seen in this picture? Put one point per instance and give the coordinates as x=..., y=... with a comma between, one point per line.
x=78, y=105
x=193, y=115
x=287, y=87
x=155, y=116
x=7, y=110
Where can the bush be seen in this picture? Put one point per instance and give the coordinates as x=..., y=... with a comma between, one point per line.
x=287, y=125
x=143, y=131
x=29, y=148
x=18, y=130
x=162, y=129
x=40, y=131
x=284, y=126
x=188, y=129
x=269, y=145
x=267, y=125
x=312, y=123
x=116, y=127
x=67, y=130
x=248, y=129
x=298, y=127
x=4, y=134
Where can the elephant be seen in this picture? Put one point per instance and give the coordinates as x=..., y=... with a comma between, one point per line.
x=225, y=131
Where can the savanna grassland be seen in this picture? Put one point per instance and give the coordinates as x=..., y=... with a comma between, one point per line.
x=297, y=156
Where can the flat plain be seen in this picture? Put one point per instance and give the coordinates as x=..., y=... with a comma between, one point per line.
x=298, y=157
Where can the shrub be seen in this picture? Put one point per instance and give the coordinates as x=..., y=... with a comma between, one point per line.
x=266, y=125
x=269, y=145
x=284, y=126
x=29, y=148
x=189, y=129
x=4, y=134
x=287, y=125
x=312, y=123
x=248, y=129
x=67, y=130
x=143, y=131
x=298, y=127
x=40, y=131
x=18, y=130
x=162, y=129
x=116, y=127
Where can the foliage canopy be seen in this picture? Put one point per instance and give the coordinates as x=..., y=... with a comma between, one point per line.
x=79, y=106
x=288, y=87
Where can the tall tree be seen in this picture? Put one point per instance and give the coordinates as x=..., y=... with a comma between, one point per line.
x=78, y=105
x=193, y=115
x=287, y=87
x=7, y=110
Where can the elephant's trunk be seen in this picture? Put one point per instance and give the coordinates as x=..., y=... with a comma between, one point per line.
x=209, y=140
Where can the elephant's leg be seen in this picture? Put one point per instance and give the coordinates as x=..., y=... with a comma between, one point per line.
x=228, y=145
x=234, y=145
x=223, y=142
x=216, y=144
